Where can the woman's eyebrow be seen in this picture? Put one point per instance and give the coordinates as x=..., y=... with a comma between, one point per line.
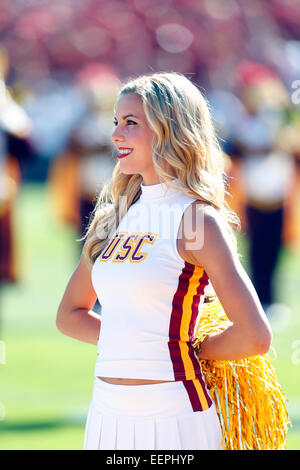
x=129, y=115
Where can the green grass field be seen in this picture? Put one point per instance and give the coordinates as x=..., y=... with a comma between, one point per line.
x=46, y=378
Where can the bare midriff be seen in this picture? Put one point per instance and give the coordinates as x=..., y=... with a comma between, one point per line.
x=121, y=381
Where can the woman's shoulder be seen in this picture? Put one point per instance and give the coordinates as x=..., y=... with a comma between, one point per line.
x=198, y=213
x=202, y=231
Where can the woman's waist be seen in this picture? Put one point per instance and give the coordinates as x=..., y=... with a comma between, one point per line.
x=143, y=372
x=152, y=399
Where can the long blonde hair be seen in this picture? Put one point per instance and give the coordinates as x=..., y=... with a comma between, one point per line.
x=185, y=146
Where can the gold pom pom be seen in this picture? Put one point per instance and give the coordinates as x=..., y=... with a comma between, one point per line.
x=248, y=397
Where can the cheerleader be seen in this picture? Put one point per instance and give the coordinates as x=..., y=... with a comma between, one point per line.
x=160, y=238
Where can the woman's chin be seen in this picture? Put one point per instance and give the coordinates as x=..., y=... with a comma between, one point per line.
x=127, y=171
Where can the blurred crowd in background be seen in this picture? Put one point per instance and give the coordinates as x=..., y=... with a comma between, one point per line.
x=61, y=65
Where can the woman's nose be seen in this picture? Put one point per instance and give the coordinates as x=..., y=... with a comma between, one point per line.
x=117, y=135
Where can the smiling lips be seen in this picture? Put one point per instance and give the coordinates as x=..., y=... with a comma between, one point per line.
x=123, y=152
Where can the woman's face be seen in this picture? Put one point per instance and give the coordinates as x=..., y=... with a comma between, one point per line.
x=133, y=138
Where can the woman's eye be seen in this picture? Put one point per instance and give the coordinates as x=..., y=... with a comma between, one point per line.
x=128, y=122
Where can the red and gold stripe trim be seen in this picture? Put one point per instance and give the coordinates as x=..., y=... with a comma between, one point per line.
x=199, y=398
x=191, y=284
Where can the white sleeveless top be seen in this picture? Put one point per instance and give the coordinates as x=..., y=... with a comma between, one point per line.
x=151, y=298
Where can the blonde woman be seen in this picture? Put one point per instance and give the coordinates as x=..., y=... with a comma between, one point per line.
x=160, y=238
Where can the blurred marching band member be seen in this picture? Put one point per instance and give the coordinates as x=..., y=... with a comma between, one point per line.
x=264, y=146
x=15, y=128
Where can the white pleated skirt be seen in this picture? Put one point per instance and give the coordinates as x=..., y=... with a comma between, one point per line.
x=156, y=416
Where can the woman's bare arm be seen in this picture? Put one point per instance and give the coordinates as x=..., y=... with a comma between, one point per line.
x=74, y=316
x=250, y=332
